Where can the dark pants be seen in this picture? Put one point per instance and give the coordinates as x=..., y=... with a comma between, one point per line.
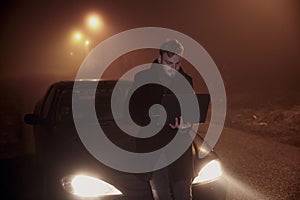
x=135, y=187
x=165, y=189
x=182, y=190
x=159, y=187
x=160, y=184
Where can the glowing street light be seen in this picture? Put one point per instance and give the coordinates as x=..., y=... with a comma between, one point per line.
x=80, y=40
x=93, y=21
x=77, y=36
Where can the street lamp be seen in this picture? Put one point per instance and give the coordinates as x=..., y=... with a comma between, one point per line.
x=93, y=21
x=77, y=36
x=80, y=40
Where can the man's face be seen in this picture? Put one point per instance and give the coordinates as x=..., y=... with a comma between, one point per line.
x=170, y=64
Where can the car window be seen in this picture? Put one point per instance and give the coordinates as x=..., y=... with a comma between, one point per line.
x=48, y=103
x=64, y=111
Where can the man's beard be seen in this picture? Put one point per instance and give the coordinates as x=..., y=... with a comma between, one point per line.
x=170, y=72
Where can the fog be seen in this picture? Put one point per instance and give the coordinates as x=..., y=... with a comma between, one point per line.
x=255, y=44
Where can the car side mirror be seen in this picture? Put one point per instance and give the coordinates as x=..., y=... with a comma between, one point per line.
x=32, y=119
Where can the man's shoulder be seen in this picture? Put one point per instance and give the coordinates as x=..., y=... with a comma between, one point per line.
x=186, y=76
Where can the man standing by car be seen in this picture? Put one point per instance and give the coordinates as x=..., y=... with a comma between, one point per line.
x=173, y=181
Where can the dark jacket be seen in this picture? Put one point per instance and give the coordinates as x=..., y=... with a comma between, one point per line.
x=140, y=102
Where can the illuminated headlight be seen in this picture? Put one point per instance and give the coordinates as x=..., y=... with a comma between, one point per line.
x=210, y=172
x=86, y=186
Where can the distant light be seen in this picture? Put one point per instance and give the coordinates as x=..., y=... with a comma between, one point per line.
x=71, y=53
x=93, y=21
x=77, y=36
x=87, y=42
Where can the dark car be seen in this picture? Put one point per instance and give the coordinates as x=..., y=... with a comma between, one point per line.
x=68, y=171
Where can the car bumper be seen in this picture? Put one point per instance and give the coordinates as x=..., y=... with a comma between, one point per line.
x=215, y=190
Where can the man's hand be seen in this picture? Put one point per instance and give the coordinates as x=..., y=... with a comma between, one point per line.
x=181, y=125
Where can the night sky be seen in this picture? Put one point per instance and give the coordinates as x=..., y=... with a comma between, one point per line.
x=255, y=44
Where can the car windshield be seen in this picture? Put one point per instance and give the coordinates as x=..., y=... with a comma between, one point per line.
x=102, y=103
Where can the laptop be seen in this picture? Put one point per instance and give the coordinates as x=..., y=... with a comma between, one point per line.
x=172, y=107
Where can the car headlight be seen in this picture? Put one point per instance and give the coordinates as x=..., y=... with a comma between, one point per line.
x=210, y=172
x=86, y=186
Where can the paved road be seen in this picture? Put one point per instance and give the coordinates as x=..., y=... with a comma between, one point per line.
x=257, y=168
